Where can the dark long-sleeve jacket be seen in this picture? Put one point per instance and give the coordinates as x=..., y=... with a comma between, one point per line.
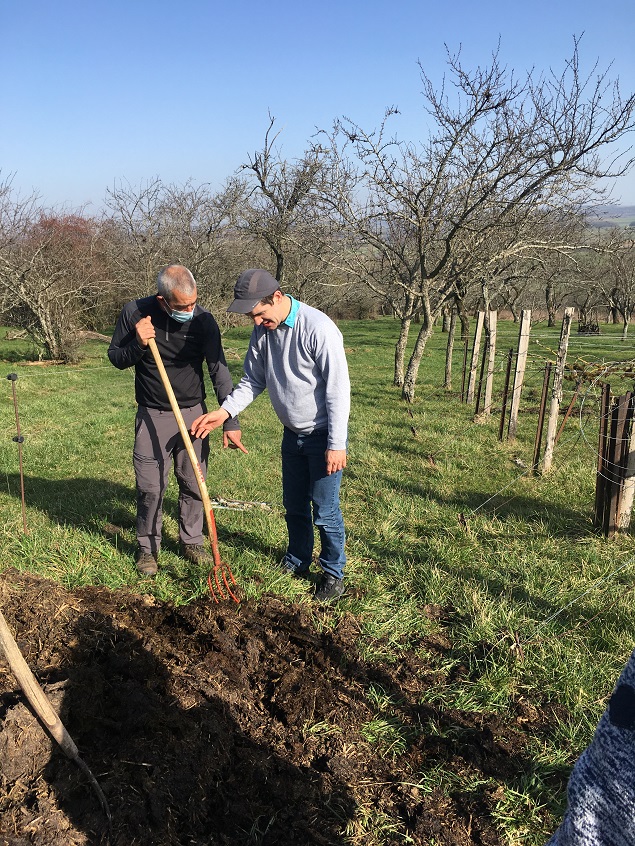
x=184, y=347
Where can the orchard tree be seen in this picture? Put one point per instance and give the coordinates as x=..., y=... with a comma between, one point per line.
x=51, y=273
x=283, y=208
x=501, y=150
x=152, y=225
x=617, y=277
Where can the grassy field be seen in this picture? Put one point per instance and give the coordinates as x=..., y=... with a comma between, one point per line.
x=536, y=605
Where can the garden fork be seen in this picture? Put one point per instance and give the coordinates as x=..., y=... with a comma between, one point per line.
x=220, y=571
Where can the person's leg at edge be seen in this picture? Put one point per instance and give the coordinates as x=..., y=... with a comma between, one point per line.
x=327, y=513
x=191, y=517
x=151, y=461
x=297, y=503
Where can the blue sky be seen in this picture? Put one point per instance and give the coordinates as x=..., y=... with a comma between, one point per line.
x=95, y=92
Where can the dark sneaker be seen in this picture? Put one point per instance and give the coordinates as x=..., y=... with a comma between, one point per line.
x=146, y=564
x=197, y=554
x=329, y=588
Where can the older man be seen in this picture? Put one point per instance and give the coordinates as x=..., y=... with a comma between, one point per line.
x=186, y=336
x=297, y=353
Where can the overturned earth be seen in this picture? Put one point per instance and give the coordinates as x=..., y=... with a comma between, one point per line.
x=224, y=724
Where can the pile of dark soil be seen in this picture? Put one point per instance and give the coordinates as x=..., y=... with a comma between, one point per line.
x=225, y=724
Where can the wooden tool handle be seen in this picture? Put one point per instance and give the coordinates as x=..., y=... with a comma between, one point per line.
x=43, y=708
x=207, y=505
x=34, y=692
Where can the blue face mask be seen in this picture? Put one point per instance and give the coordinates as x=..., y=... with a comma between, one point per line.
x=182, y=316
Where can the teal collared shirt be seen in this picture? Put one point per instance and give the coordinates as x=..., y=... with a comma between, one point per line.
x=295, y=305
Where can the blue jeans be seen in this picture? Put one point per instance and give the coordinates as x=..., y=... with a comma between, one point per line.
x=311, y=496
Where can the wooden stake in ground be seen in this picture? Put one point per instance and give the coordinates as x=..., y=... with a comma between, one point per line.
x=600, y=483
x=19, y=439
x=541, y=416
x=556, y=391
x=628, y=489
x=491, y=362
x=466, y=343
x=447, y=383
x=519, y=374
x=471, y=384
x=615, y=464
x=508, y=371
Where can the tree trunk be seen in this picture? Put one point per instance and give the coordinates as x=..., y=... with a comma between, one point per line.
x=486, y=302
x=550, y=302
x=463, y=317
x=410, y=381
x=446, y=320
x=400, y=351
x=280, y=268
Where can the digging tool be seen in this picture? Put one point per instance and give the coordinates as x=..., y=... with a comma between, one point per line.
x=44, y=710
x=13, y=378
x=220, y=568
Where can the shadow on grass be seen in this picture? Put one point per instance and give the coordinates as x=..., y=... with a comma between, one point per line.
x=555, y=520
x=98, y=506
x=107, y=509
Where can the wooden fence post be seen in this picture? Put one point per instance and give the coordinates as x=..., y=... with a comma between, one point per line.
x=541, y=416
x=447, y=384
x=556, y=391
x=479, y=392
x=491, y=363
x=466, y=342
x=471, y=384
x=508, y=373
x=600, y=482
x=628, y=489
x=615, y=463
x=519, y=374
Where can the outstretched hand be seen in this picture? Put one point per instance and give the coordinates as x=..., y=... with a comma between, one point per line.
x=206, y=423
x=233, y=441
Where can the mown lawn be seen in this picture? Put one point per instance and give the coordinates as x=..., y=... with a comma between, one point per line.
x=447, y=531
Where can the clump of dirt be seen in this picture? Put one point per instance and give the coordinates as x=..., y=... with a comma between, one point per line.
x=217, y=724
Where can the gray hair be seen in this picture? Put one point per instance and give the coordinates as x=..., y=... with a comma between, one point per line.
x=175, y=277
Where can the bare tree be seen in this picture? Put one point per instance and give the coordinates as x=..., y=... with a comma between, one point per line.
x=617, y=279
x=153, y=224
x=500, y=153
x=283, y=208
x=51, y=271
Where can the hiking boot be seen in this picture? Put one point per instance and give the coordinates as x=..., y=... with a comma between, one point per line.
x=329, y=588
x=197, y=554
x=146, y=564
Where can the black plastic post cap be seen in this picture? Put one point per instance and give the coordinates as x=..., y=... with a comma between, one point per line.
x=13, y=377
x=19, y=439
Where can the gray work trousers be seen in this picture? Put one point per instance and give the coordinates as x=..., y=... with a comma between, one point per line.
x=158, y=444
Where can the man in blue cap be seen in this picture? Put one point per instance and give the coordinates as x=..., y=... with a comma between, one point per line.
x=297, y=353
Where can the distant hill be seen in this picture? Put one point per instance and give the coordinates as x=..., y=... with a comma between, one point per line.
x=606, y=216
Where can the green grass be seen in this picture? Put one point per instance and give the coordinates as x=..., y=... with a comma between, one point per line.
x=535, y=605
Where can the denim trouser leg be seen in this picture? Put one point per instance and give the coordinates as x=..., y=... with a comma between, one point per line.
x=306, y=487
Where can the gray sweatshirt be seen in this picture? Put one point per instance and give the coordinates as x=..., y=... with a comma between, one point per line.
x=303, y=367
x=601, y=792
